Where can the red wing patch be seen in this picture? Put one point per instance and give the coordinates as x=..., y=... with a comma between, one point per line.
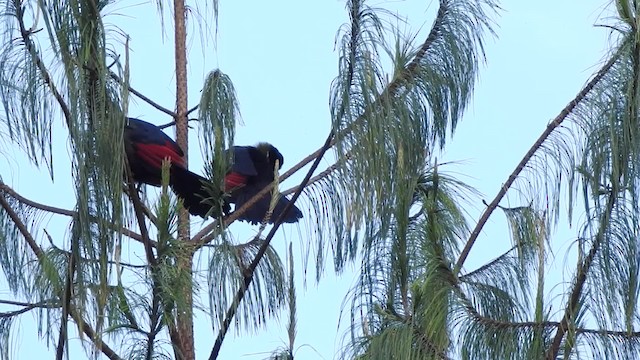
x=234, y=180
x=153, y=154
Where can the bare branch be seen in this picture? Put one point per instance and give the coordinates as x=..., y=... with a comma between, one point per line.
x=47, y=304
x=143, y=97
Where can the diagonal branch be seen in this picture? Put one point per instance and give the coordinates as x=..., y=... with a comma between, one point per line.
x=95, y=338
x=46, y=77
x=146, y=99
x=527, y=157
x=248, y=273
x=488, y=265
x=55, y=210
x=88, y=330
x=66, y=304
x=314, y=179
x=205, y=235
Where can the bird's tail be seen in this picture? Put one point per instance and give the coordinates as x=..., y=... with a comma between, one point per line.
x=192, y=189
x=256, y=213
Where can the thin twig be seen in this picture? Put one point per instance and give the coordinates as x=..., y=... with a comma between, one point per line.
x=192, y=110
x=173, y=123
x=143, y=97
x=47, y=304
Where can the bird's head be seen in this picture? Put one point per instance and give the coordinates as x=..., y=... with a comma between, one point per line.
x=271, y=153
x=139, y=126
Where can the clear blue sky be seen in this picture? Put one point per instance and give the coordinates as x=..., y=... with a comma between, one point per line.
x=281, y=57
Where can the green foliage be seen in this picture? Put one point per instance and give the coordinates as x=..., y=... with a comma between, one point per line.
x=403, y=299
x=218, y=114
x=388, y=206
x=227, y=270
x=388, y=122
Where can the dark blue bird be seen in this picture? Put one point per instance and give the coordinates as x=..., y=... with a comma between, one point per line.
x=146, y=146
x=253, y=169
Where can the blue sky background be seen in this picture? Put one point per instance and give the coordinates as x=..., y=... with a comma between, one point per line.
x=281, y=58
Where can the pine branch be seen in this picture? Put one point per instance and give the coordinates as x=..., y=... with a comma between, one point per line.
x=66, y=305
x=22, y=228
x=46, y=77
x=55, y=210
x=88, y=330
x=204, y=236
x=249, y=271
x=138, y=208
x=489, y=264
x=110, y=262
x=97, y=340
x=173, y=123
x=581, y=276
x=144, y=98
x=535, y=325
x=529, y=155
x=315, y=179
x=192, y=110
x=47, y=304
x=153, y=263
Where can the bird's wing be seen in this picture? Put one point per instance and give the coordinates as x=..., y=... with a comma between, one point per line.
x=151, y=144
x=242, y=162
x=256, y=213
x=153, y=154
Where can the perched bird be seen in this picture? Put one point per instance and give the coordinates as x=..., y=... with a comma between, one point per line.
x=254, y=168
x=146, y=146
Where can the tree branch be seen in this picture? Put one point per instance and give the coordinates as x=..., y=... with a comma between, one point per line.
x=527, y=157
x=66, y=304
x=314, y=179
x=143, y=97
x=250, y=270
x=204, y=235
x=151, y=259
x=55, y=210
x=95, y=339
x=47, y=304
x=46, y=77
x=98, y=343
